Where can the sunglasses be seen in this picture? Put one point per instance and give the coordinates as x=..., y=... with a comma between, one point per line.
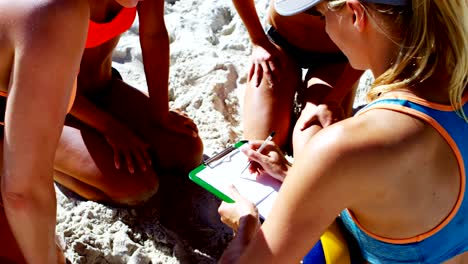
x=314, y=12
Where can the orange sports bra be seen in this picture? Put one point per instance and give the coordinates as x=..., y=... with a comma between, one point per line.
x=99, y=33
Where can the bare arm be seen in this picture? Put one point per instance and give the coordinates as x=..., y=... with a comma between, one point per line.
x=90, y=114
x=265, y=55
x=155, y=48
x=248, y=14
x=128, y=147
x=45, y=67
x=312, y=195
x=154, y=41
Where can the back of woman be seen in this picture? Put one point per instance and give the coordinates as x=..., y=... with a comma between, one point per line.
x=416, y=141
x=417, y=213
x=421, y=216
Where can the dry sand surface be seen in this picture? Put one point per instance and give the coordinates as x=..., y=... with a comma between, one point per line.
x=209, y=57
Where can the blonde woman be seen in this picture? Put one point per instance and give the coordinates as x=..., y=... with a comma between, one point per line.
x=395, y=172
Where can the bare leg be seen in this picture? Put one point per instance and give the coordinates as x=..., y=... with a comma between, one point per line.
x=10, y=252
x=84, y=163
x=269, y=107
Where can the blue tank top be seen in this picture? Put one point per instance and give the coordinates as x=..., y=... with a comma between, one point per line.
x=450, y=237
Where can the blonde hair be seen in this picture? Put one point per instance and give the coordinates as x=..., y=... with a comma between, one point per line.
x=436, y=39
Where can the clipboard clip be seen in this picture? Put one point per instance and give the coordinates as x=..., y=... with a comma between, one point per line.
x=212, y=162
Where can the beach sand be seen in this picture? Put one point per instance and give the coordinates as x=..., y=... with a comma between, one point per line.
x=210, y=53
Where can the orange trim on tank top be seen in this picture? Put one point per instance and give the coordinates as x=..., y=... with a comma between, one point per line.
x=413, y=98
x=461, y=165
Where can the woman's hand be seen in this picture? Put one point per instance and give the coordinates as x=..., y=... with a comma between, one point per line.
x=322, y=114
x=242, y=217
x=127, y=146
x=240, y=213
x=265, y=63
x=271, y=161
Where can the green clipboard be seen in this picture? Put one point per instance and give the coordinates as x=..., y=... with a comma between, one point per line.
x=226, y=168
x=193, y=175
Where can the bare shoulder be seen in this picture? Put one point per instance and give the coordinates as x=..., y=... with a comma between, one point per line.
x=43, y=19
x=374, y=132
x=48, y=38
x=22, y=9
x=357, y=149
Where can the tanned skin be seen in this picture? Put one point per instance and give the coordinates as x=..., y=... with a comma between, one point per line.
x=395, y=172
x=327, y=93
x=116, y=139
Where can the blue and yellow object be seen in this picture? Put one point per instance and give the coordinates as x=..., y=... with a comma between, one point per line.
x=332, y=248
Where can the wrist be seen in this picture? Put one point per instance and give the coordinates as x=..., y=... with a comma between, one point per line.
x=159, y=111
x=248, y=226
x=284, y=172
x=260, y=40
x=108, y=125
x=288, y=166
x=334, y=97
x=160, y=117
x=332, y=102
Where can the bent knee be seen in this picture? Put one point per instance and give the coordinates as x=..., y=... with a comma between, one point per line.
x=135, y=194
x=195, y=152
x=125, y=188
x=188, y=155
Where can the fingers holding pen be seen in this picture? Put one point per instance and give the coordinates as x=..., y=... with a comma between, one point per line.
x=251, y=150
x=270, y=159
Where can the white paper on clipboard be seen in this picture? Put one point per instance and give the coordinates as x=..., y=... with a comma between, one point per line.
x=260, y=190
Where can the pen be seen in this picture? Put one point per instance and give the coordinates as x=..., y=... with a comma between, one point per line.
x=259, y=150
